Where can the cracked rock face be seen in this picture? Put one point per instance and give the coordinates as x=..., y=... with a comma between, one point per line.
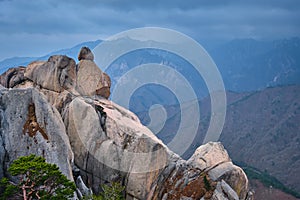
x=44, y=135
x=105, y=142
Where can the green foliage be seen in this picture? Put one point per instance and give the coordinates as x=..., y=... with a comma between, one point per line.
x=114, y=191
x=206, y=184
x=37, y=180
x=9, y=188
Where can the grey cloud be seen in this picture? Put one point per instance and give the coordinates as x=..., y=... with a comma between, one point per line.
x=93, y=15
x=225, y=19
x=187, y=4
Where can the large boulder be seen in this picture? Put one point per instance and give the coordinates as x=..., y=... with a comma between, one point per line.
x=201, y=177
x=86, y=54
x=90, y=79
x=57, y=74
x=214, y=159
x=209, y=155
x=12, y=77
x=110, y=144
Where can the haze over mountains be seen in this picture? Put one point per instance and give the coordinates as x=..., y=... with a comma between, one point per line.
x=261, y=131
x=245, y=64
x=24, y=61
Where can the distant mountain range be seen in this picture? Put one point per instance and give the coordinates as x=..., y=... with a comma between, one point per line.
x=24, y=61
x=245, y=64
x=261, y=130
x=250, y=65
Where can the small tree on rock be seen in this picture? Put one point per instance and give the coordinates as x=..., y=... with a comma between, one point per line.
x=37, y=180
x=112, y=192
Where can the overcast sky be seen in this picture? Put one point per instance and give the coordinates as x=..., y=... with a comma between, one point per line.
x=37, y=27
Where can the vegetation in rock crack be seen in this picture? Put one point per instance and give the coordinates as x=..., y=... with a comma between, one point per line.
x=206, y=184
x=114, y=191
x=37, y=179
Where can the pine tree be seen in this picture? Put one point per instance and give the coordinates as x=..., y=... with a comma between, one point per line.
x=37, y=180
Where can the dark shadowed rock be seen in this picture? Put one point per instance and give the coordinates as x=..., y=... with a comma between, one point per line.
x=104, y=91
x=12, y=77
x=85, y=54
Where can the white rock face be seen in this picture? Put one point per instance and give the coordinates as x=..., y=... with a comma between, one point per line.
x=214, y=159
x=209, y=155
x=121, y=148
x=18, y=140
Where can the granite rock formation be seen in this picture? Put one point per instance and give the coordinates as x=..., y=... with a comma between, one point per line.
x=94, y=141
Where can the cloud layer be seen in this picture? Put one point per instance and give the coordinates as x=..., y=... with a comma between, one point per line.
x=36, y=27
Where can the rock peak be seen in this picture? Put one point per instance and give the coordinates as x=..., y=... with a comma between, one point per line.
x=85, y=54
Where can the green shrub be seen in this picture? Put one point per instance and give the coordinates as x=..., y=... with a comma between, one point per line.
x=114, y=191
x=206, y=183
x=37, y=180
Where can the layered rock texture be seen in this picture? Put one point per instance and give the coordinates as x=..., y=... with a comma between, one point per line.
x=60, y=110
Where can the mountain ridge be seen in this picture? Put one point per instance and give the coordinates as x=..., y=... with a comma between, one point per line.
x=245, y=64
x=24, y=61
x=261, y=130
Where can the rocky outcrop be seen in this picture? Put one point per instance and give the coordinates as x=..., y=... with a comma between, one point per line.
x=86, y=54
x=57, y=74
x=103, y=141
x=12, y=77
x=90, y=79
x=214, y=159
x=30, y=125
x=120, y=149
x=123, y=150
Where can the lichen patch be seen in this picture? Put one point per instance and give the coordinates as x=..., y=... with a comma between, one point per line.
x=31, y=126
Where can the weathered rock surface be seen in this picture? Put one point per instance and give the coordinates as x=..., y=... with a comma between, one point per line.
x=60, y=73
x=90, y=79
x=123, y=150
x=208, y=156
x=57, y=74
x=136, y=156
x=30, y=125
x=85, y=53
x=214, y=159
x=12, y=77
x=108, y=142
